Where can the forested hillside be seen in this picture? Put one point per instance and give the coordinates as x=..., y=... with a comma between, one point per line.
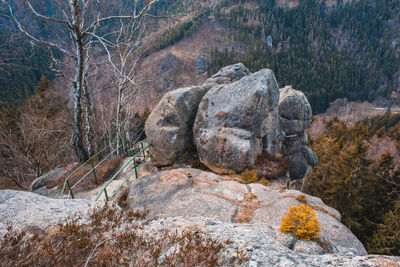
x=347, y=50
x=328, y=51
x=358, y=173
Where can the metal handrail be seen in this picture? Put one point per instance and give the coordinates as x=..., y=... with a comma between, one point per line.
x=135, y=167
x=67, y=183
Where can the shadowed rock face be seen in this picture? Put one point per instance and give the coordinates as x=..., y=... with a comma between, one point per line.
x=231, y=119
x=295, y=116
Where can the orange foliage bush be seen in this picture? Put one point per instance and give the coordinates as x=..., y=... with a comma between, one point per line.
x=301, y=221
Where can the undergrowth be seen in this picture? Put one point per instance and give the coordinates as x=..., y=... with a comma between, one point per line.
x=109, y=236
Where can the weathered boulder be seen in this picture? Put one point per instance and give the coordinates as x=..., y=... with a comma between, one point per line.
x=229, y=74
x=261, y=246
x=29, y=210
x=169, y=125
x=295, y=111
x=295, y=116
x=260, y=242
x=234, y=120
x=191, y=192
x=46, y=178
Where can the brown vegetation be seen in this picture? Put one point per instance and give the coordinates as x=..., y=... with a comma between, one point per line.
x=271, y=166
x=358, y=174
x=111, y=237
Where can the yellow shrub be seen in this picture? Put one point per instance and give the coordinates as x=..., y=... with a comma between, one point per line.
x=249, y=176
x=301, y=221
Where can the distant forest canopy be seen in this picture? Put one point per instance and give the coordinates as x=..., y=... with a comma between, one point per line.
x=346, y=50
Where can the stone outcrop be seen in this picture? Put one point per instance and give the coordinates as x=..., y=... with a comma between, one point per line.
x=231, y=119
x=169, y=126
x=229, y=74
x=258, y=238
x=295, y=116
x=194, y=193
x=29, y=210
x=233, y=122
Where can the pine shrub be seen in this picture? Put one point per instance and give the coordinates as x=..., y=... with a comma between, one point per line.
x=301, y=221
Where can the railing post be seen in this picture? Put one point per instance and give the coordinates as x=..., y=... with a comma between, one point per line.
x=144, y=155
x=70, y=190
x=134, y=166
x=105, y=193
x=94, y=171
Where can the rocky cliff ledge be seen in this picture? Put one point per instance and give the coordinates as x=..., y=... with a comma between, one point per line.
x=214, y=206
x=232, y=119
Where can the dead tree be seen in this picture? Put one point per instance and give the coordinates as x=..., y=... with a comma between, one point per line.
x=77, y=29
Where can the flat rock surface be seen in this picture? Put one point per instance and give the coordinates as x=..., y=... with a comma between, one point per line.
x=261, y=245
x=27, y=210
x=260, y=242
x=192, y=192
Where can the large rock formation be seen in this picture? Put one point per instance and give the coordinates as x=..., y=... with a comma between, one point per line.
x=170, y=124
x=235, y=116
x=236, y=121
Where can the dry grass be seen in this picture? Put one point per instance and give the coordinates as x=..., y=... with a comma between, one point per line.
x=110, y=237
x=271, y=166
x=246, y=208
x=249, y=176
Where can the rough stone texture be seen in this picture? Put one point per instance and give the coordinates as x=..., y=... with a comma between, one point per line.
x=295, y=116
x=193, y=193
x=229, y=74
x=231, y=119
x=234, y=121
x=27, y=210
x=261, y=242
x=258, y=242
x=295, y=111
x=169, y=126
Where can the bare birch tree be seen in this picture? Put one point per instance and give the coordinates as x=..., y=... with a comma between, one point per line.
x=77, y=29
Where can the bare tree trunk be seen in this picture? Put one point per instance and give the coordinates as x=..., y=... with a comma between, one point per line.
x=88, y=117
x=120, y=91
x=77, y=125
x=78, y=83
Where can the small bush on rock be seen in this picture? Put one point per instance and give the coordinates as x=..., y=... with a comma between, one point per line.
x=301, y=221
x=249, y=176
